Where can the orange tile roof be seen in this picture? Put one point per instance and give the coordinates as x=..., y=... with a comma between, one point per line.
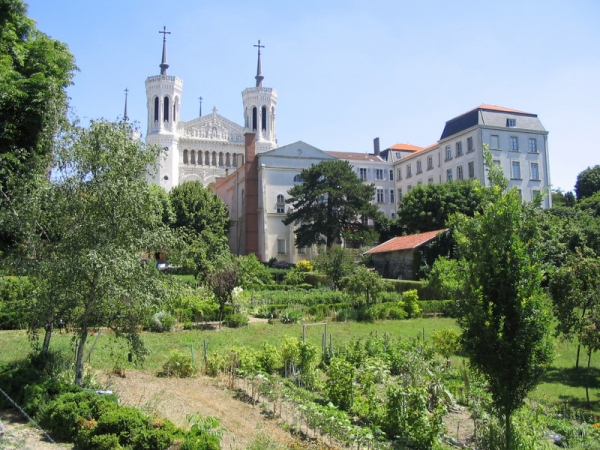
x=405, y=242
x=355, y=156
x=408, y=147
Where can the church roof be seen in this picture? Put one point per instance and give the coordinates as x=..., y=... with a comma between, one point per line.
x=405, y=242
x=351, y=156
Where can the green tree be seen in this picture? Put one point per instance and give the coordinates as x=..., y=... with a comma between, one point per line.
x=588, y=182
x=363, y=281
x=34, y=73
x=332, y=204
x=336, y=263
x=427, y=208
x=84, y=233
x=504, y=315
x=575, y=289
x=221, y=279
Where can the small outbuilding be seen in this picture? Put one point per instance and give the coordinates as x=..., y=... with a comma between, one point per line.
x=396, y=258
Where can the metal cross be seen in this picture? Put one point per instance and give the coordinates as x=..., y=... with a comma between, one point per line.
x=165, y=32
x=259, y=46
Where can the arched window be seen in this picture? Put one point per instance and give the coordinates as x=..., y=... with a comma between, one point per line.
x=228, y=160
x=280, y=204
x=254, y=118
x=175, y=109
x=264, y=118
x=185, y=157
x=166, y=109
x=220, y=159
x=156, y=109
x=214, y=159
x=207, y=159
x=193, y=158
x=298, y=179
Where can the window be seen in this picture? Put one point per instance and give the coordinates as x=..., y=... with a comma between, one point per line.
x=448, y=153
x=156, y=109
x=280, y=204
x=459, y=150
x=393, y=215
x=263, y=114
x=281, y=246
x=496, y=162
x=535, y=171
x=494, y=142
x=185, y=157
x=408, y=171
x=398, y=155
x=379, y=174
x=511, y=123
x=520, y=193
x=471, y=169
x=193, y=157
x=362, y=173
x=429, y=163
x=534, y=193
x=419, y=167
x=459, y=173
x=379, y=195
x=400, y=173
x=409, y=188
x=532, y=145
x=166, y=109
x=391, y=175
x=399, y=194
x=449, y=175
x=430, y=180
x=419, y=183
x=514, y=144
x=515, y=170
x=392, y=199
x=298, y=179
x=470, y=147
x=302, y=250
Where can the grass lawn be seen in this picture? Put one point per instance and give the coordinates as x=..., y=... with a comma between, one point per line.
x=560, y=383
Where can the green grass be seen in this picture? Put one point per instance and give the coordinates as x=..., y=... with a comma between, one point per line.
x=560, y=383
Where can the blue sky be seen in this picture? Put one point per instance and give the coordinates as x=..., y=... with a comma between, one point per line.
x=347, y=71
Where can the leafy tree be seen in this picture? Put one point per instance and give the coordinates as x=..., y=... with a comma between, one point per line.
x=363, y=281
x=253, y=272
x=84, y=232
x=575, y=289
x=590, y=338
x=336, y=263
x=588, y=182
x=504, y=314
x=221, y=280
x=563, y=199
x=34, y=73
x=198, y=209
x=332, y=204
x=428, y=207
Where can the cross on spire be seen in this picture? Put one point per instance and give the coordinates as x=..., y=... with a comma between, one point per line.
x=163, y=65
x=125, y=117
x=259, y=76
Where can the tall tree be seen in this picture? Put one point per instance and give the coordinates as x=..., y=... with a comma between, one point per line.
x=336, y=263
x=588, y=182
x=331, y=204
x=34, y=73
x=428, y=208
x=85, y=231
x=504, y=314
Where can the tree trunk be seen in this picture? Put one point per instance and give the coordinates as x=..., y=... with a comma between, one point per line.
x=49, y=327
x=507, y=429
x=79, y=358
x=579, y=343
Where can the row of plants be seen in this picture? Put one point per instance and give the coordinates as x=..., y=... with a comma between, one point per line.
x=42, y=386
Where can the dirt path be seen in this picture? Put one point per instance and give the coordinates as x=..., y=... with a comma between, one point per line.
x=19, y=435
x=175, y=398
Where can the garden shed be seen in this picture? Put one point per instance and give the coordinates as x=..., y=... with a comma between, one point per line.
x=395, y=258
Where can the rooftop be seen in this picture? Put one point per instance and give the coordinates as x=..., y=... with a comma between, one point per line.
x=405, y=242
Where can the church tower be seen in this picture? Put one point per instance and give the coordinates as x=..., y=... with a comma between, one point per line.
x=163, y=95
x=259, y=111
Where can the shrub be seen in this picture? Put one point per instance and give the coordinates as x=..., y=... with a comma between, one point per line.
x=15, y=297
x=162, y=321
x=411, y=303
x=236, y=320
x=293, y=314
x=178, y=365
x=446, y=342
x=269, y=358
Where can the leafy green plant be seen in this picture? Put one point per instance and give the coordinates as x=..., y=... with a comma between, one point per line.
x=446, y=342
x=410, y=300
x=236, y=320
x=162, y=321
x=178, y=365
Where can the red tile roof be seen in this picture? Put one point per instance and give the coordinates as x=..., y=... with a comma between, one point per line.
x=356, y=156
x=405, y=242
x=408, y=147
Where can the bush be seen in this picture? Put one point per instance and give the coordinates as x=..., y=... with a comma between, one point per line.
x=293, y=314
x=15, y=296
x=411, y=303
x=178, y=365
x=236, y=320
x=162, y=321
x=424, y=292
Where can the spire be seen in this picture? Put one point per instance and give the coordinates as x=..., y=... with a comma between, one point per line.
x=125, y=116
x=200, y=98
x=163, y=65
x=259, y=77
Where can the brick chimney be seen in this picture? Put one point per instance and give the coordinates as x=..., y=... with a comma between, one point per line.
x=251, y=192
x=376, y=146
